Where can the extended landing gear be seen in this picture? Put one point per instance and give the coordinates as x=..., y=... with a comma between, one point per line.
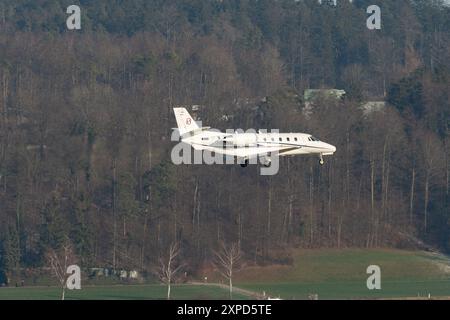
x=266, y=161
x=244, y=164
x=321, y=160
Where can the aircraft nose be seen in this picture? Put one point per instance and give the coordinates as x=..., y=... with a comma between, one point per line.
x=332, y=148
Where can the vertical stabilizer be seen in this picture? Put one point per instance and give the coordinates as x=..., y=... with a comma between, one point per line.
x=185, y=122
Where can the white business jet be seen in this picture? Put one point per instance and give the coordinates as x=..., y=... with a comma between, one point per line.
x=246, y=146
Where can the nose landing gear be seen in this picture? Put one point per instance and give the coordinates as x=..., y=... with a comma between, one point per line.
x=321, y=160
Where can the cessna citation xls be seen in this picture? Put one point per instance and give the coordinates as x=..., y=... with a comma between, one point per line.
x=247, y=146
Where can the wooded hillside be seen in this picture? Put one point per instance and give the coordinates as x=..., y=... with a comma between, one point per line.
x=86, y=118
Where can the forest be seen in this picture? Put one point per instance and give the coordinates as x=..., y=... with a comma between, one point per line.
x=86, y=118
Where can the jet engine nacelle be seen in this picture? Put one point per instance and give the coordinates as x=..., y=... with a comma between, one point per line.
x=242, y=139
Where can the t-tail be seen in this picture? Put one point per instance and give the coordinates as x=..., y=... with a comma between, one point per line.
x=184, y=121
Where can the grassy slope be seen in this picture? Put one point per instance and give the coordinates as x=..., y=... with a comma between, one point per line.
x=341, y=274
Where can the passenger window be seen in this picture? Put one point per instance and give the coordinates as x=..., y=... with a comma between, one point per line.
x=295, y=139
x=281, y=139
x=288, y=139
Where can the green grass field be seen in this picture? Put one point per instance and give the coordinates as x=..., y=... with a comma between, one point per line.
x=332, y=274
x=341, y=274
x=117, y=292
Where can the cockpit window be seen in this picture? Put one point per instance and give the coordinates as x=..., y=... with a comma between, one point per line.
x=313, y=139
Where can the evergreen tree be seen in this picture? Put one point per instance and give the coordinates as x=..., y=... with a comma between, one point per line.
x=9, y=256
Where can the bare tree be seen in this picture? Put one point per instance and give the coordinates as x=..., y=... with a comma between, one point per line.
x=59, y=260
x=168, y=267
x=433, y=168
x=226, y=260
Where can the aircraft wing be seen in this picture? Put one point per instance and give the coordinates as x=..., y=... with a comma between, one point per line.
x=249, y=152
